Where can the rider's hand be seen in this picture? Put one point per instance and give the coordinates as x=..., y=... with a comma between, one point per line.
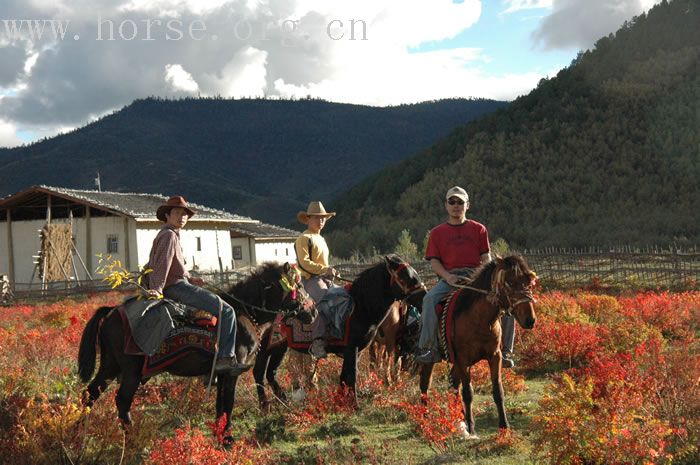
x=153, y=294
x=197, y=281
x=332, y=273
x=453, y=279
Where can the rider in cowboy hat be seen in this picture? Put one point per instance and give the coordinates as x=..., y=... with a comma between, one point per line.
x=170, y=278
x=312, y=258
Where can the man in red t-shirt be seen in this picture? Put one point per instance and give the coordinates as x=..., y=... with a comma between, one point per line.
x=455, y=249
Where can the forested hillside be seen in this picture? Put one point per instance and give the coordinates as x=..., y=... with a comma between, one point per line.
x=257, y=157
x=607, y=152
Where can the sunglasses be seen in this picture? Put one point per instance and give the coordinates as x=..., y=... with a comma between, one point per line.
x=455, y=202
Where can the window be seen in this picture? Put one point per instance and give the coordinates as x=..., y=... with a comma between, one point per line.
x=199, y=244
x=112, y=243
x=286, y=252
x=237, y=252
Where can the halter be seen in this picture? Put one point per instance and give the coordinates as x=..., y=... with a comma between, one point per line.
x=406, y=290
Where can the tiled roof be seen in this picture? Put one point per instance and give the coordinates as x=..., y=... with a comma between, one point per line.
x=135, y=205
x=263, y=231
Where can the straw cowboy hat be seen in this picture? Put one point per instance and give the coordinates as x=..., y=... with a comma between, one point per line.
x=314, y=209
x=173, y=202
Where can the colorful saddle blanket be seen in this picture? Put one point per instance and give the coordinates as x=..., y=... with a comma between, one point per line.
x=336, y=307
x=445, y=311
x=176, y=333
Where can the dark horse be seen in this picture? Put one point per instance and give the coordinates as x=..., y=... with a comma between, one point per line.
x=373, y=292
x=270, y=290
x=503, y=286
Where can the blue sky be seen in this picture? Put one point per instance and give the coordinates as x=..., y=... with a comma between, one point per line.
x=507, y=40
x=415, y=50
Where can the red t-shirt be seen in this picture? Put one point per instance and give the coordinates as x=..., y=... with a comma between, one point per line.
x=458, y=246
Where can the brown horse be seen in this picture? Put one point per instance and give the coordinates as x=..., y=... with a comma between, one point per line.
x=503, y=286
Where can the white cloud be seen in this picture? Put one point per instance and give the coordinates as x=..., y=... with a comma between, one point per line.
x=243, y=76
x=8, y=134
x=520, y=5
x=180, y=80
x=67, y=83
x=580, y=23
x=421, y=76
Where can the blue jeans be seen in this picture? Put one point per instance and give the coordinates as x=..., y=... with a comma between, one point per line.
x=194, y=296
x=429, y=320
x=508, y=335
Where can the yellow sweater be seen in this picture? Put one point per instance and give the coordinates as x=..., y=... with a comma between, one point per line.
x=315, y=261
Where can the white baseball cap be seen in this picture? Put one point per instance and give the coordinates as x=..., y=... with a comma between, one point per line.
x=458, y=192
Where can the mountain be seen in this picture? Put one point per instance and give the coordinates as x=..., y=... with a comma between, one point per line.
x=605, y=153
x=256, y=157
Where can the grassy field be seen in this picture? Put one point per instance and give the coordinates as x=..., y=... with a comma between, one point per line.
x=601, y=379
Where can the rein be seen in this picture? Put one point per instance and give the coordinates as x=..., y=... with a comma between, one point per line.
x=247, y=306
x=396, y=278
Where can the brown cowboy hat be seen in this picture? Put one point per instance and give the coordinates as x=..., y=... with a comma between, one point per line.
x=314, y=209
x=173, y=202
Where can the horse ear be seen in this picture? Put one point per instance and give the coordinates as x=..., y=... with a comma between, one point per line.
x=286, y=267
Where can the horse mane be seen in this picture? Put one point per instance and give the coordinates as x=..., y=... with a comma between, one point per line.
x=249, y=288
x=483, y=277
x=368, y=284
x=481, y=280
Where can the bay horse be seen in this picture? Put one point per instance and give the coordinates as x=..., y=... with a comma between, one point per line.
x=502, y=286
x=373, y=292
x=268, y=291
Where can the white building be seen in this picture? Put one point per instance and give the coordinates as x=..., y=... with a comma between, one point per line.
x=121, y=224
x=256, y=243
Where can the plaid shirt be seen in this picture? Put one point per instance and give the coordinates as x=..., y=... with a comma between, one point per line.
x=166, y=260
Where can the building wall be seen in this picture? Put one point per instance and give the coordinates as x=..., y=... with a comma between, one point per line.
x=138, y=236
x=122, y=228
x=279, y=252
x=205, y=259
x=25, y=240
x=248, y=255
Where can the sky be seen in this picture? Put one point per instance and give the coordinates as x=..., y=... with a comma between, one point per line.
x=65, y=63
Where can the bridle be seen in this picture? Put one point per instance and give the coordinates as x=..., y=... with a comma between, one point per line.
x=395, y=278
x=501, y=288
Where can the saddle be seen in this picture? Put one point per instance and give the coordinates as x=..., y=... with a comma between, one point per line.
x=337, y=307
x=165, y=331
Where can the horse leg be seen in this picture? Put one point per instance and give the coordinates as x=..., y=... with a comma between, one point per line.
x=131, y=378
x=348, y=375
x=276, y=357
x=426, y=375
x=463, y=376
x=109, y=369
x=497, y=388
x=225, y=396
x=261, y=363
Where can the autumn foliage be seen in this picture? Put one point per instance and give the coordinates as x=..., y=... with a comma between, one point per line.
x=622, y=389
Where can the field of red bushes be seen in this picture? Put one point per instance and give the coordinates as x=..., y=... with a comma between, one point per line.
x=600, y=380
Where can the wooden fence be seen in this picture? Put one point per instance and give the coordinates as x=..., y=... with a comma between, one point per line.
x=625, y=267
x=557, y=269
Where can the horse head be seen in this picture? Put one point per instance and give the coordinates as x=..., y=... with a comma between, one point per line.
x=404, y=280
x=297, y=303
x=512, y=285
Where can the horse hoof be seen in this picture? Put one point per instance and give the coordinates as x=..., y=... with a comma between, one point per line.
x=227, y=442
x=464, y=432
x=298, y=395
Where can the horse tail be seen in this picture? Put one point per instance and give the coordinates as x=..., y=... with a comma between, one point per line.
x=87, y=354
